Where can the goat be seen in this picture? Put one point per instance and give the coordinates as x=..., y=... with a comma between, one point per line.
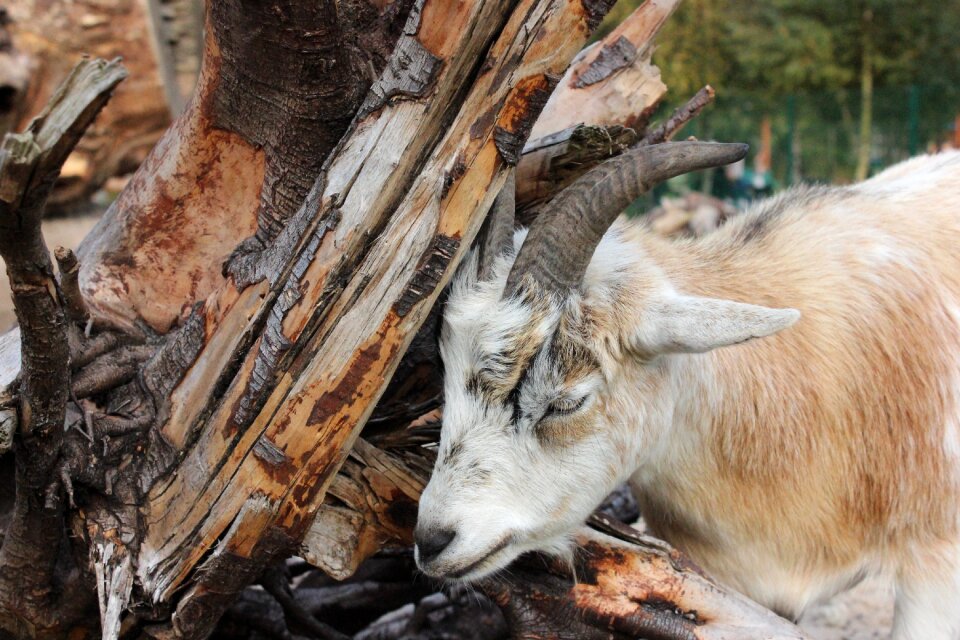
x=783, y=394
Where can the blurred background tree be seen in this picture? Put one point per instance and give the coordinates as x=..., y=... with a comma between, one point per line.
x=824, y=90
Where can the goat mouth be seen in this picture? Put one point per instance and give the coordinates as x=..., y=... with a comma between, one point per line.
x=460, y=574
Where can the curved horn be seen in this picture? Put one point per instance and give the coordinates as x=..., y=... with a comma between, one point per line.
x=561, y=242
x=496, y=235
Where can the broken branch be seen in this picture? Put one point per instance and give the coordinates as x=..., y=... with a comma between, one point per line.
x=29, y=164
x=680, y=117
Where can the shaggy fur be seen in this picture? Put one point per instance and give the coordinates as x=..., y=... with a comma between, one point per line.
x=789, y=466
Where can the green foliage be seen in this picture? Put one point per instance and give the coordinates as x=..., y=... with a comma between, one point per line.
x=761, y=54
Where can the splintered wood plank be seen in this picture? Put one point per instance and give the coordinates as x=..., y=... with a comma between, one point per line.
x=377, y=494
x=614, y=81
x=350, y=305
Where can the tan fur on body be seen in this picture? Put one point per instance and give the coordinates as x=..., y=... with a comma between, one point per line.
x=789, y=466
x=830, y=447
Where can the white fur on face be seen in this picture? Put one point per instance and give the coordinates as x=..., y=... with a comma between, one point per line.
x=515, y=474
x=508, y=478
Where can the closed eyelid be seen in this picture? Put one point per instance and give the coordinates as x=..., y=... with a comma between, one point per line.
x=566, y=405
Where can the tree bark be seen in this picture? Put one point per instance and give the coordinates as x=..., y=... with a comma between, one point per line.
x=29, y=166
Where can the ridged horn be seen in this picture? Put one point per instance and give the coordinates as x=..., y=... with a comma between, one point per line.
x=496, y=235
x=562, y=240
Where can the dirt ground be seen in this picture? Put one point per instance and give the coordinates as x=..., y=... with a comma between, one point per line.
x=863, y=613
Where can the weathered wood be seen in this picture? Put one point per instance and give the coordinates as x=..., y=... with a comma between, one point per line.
x=681, y=116
x=354, y=340
x=614, y=81
x=371, y=501
x=9, y=370
x=69, y=270
x=112, y=561
x=553, y=162
x=626, y=587
x=237, y=163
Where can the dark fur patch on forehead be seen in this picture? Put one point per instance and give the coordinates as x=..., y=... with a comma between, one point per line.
x=501, y=372
x=569, y=352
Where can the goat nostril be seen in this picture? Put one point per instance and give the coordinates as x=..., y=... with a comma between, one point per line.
x=432, y=542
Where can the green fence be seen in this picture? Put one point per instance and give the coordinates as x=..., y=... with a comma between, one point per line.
x=815, y=136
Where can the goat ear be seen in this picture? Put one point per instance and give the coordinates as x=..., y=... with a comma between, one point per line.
x=691, y=324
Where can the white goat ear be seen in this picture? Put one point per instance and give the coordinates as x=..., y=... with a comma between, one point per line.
x=691, y=324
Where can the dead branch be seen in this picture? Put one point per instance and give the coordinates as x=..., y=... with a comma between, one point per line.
x=626, y=588
x=275, y=581
x=680, y=117
x=105, y=374
x=553, y=162
x=29, y=165
x=69, y=269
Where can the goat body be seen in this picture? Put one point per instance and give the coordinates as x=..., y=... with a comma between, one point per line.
x=789, y=466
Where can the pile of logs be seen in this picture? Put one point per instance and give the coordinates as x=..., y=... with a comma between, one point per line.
x=187, y=400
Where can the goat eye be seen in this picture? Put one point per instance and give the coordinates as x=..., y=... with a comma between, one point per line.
x=564, y=406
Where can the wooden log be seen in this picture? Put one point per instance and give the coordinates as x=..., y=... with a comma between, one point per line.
x=627, y=587
x=236, y=164
x=371, y=501
x=9, y=370
x=552, y=162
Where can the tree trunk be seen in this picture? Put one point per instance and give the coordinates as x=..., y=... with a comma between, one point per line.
x=865, y=139
x=203, y=374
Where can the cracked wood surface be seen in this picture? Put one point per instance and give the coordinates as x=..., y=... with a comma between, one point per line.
x=238, y=162
x=345, y=332
x=629, y=586
x=613, y=78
